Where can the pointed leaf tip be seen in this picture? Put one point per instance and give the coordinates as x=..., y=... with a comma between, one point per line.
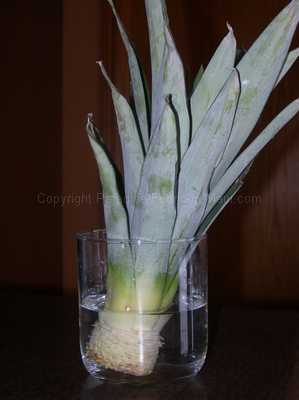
x=229, y=27
x=112, y=5
x=90, y=118
x=106, y=76
x=230, y=35
x=103, y=70
x=99, y=63
x=214, y=78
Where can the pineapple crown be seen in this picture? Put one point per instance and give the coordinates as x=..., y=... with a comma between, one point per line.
x=181, y=152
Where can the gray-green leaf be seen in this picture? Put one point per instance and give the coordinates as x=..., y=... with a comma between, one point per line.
x=250, y=153
x=166, y=64
x=213, y=79
x=259, y=70
x=202, y=157
x=115, y=213
x=219, y=207
x=157, y=20
x=132, y=150
x=198, y=77
x=138, y=82
x=156, y=207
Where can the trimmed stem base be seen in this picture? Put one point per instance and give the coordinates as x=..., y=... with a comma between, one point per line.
x=127, y=343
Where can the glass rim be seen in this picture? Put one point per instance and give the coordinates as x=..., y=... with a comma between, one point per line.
x=102, y=238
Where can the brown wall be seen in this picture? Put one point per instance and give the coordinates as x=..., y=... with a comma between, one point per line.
x=30, y=142
x=80, y=95
x=253, y=247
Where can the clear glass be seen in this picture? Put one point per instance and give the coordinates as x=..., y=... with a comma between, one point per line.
x=142, y=321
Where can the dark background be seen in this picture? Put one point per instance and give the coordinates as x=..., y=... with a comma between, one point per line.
x=50, y=81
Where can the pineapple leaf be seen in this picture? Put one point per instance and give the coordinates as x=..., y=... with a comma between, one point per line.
x=203, y=154
x=138, y=80
x=250, y=153
x=292, y=58
x=157, y=20
x=175, y=85
x=115, y=213
x=259, y=70
x=213, y=79
x=198, y=77
x=219, y=207
x=156, y=198
x=132, y=150
x=207, y=221
x=155, y=210
x=171, y=71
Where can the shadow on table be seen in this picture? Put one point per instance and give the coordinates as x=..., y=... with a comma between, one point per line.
x=190, y=389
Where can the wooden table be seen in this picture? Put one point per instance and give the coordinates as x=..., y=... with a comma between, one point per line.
x=254, y=354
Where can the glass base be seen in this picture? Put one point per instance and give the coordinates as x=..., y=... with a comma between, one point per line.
x=142, y=325
x=161, y=374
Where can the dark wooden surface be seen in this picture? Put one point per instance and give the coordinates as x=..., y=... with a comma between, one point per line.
x=253, y=354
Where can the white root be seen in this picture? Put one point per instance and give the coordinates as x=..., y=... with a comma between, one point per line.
x=127, y=343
